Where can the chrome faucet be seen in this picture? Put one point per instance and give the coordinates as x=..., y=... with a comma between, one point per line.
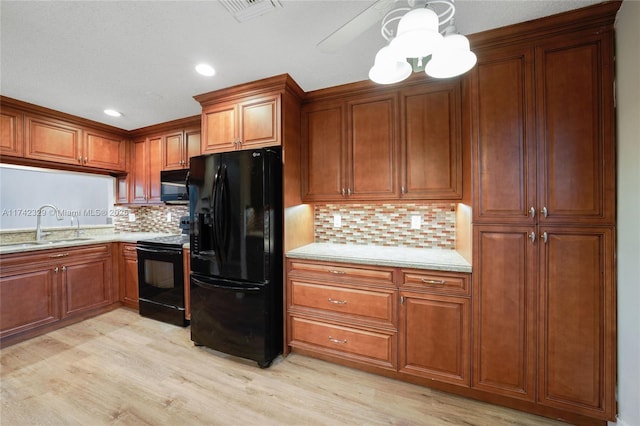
x=78, y=232
x=39, y=233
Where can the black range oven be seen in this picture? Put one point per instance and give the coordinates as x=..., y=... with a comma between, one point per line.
x=161, y=279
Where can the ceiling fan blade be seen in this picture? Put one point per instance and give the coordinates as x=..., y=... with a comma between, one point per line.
x=358, y=25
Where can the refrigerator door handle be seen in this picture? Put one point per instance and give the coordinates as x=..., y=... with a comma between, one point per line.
x=207, y=285
x=224, y=210
x=215, y=214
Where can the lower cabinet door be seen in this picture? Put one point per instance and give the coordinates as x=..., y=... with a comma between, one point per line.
x=504, y=310
x=434, y=337
x=85, y=285
x=372, y=347
x=28, y=299
x=576, y=352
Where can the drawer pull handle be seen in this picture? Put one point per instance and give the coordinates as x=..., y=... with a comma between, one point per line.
x=337, y=302
x=439, y=282
x=59, y=255
x=333, y=271
x=334, y=340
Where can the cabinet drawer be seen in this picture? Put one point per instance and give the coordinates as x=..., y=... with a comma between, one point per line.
x=443, y=283
x=341, y=272
x=367, y=304
x=375, y=347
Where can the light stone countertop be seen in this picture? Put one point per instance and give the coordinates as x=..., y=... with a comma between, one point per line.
x=126, y=237
x=435, y=259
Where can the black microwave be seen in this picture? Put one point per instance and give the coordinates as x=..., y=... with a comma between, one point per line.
x=173, y=186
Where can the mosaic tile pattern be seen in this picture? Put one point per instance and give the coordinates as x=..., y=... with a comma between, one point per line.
x=387, y=225
x=150, y=218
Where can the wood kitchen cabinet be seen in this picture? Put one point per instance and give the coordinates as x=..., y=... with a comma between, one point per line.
x=178, y=148
x=104, y=151
x=39, y=136
x=558, y=168
x=414, y=323
x=246, y=124
x=544, y=219
x=53, y=140
x=350, y=149
x=86, y=280
x=576, y=325
x=435, y=326
x=146, y=159
x=257, y=114
x=30, y=297
x=431, y=141
x=11, y=132
x=343, y=311
x=383, y=144
x=129, y=275
x=505, y=297
x=60, y=285
x=63, y=142
x=324, y=151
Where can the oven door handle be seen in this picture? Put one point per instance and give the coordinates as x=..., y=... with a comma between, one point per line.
x=146, y=250
x=222, y=287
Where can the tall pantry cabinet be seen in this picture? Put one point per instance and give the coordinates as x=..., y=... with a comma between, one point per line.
x=543, y=153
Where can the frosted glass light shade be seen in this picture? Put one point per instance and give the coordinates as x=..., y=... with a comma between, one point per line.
x=453, y=58
x=417, y=34
x=388, y=68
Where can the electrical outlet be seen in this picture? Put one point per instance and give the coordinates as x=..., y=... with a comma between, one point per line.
x=132, y=217
x=416, y=222
x=169, y=217
x=337, y=221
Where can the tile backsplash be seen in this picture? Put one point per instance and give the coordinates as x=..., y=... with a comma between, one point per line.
x=387, y=224
x=150, y=218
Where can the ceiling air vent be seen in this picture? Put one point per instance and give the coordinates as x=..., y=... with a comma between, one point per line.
x=243, y=10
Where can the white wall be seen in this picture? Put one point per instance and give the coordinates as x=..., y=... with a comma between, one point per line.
x=24, y=189
x=628, y=117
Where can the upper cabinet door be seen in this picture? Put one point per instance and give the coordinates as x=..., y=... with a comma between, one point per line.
x=260, y=122
x=431, y=159
x=576, y=138
x=138, y=174
x=173, y=152
x=11, y=136
x=104, y=151
x=192, y=142
x=220, y=128
x=372, y=135
x=503, y=139
x=323, y=152
x=52, y=140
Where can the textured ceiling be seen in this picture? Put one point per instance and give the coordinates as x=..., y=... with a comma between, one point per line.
x=81, y=57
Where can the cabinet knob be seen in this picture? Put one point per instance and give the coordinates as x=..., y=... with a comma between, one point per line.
x=532, y=212
x=334, y=340
x=64, y=268
x=403, y=190
x=86, y=160
x=56, y=270
x=532, y=237
x=342, y=192
x=80, y=160
x=544, y=212
x=545, y=237
x=348, y=192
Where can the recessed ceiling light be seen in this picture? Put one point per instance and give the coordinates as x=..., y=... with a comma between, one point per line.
x=112, y=112
x=205, y=69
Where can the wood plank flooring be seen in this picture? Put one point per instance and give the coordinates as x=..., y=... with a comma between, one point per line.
x=122, y=369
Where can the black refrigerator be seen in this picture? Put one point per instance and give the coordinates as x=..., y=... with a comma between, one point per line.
x=236, y=253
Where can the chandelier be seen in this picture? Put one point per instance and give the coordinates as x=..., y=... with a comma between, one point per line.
x=418, y=44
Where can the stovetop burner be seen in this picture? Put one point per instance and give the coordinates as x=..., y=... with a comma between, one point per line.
x=167, y=241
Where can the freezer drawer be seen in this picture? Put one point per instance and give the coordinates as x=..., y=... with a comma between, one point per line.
x=236, y=318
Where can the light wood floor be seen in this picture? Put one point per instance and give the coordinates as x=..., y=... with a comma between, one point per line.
x=120, y=368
